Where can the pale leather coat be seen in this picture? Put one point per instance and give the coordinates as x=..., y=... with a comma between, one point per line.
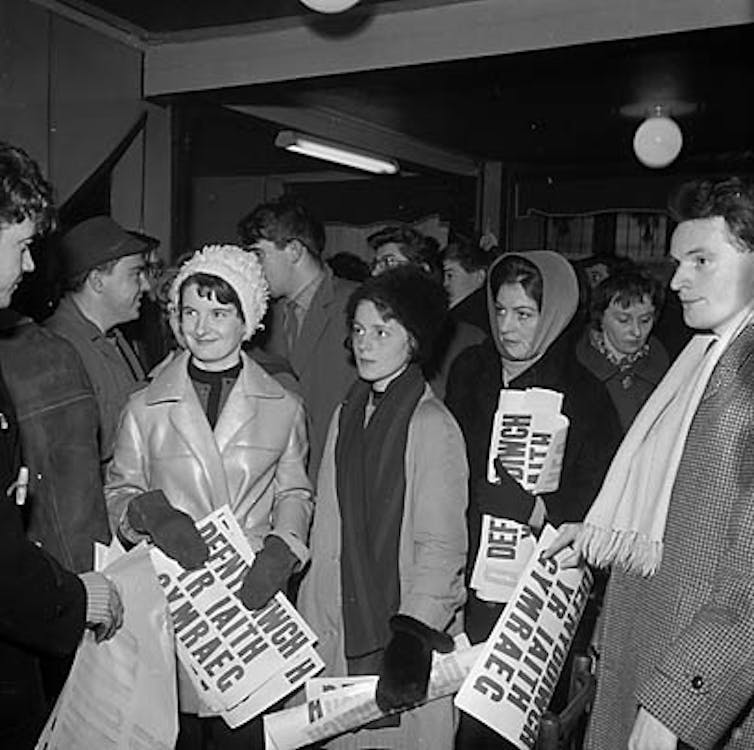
x=254, y=461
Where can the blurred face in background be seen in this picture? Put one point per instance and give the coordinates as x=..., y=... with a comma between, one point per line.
x=458, y=282
x=387, y=256
x=627, y=329
x=517, y=317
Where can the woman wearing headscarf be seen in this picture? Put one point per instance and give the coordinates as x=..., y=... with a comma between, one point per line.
x=388, y=541
x=532, y=299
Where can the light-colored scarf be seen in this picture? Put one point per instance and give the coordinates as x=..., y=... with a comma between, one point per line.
x=626, y=522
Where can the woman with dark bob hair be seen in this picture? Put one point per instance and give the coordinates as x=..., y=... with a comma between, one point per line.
x=532, y=298
x=388, y=541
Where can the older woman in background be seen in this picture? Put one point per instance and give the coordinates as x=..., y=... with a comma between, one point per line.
x=618, y=348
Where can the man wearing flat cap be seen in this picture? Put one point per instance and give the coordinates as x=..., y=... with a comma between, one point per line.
x=104, y=269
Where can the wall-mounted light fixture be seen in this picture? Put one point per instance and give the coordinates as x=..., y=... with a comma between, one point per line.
x=658, y=140
x=329, y=6
x=319, y=148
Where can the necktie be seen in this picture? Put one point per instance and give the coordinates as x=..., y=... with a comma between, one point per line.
x=290, y=323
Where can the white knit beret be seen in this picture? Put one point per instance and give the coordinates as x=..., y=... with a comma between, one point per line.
x=239, y=268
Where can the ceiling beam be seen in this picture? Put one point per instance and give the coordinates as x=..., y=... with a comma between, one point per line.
x=97, y=20
x=410, y=33
x=352, y=131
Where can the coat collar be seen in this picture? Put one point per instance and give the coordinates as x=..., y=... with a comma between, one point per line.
x=173, y=380
x=173, y=385
x=738, y=353
x=651, y=368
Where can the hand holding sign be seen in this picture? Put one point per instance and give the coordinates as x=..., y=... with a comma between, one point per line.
x=528, y=438
x=269, y=573
x=172, y=530
x=404, y=676
x=568, y=533
x=512, y=681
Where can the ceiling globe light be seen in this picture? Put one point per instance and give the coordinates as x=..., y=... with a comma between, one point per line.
x=658, y=140
x=329, y=6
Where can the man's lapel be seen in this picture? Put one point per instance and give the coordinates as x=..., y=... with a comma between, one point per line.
x=314, y=324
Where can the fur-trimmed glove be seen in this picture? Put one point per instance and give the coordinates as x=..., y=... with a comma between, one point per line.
x=269, y=573
x=505, y=500
x=406, y=664
x=172, y=530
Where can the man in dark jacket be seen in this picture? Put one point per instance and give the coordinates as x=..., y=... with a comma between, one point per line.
x=43, y=608
x=105, y=281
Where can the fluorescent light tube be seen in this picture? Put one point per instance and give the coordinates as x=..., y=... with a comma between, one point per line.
x=321, y=149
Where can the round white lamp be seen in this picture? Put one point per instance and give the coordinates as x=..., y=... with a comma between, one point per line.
x=329, y=6
x=658, y=140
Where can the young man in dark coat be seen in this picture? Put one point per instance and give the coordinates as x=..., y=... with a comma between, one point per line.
x=43, y=608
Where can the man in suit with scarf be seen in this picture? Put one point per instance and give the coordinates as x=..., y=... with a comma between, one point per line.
x=675, y=516
x=307, y=322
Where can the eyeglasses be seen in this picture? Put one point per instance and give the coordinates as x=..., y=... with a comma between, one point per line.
x=385, y=262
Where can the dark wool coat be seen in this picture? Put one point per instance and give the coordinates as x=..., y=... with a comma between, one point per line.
x=473, y=310
x=629, y=389
x=594, y=433
x=42, y=606
x=682, y=643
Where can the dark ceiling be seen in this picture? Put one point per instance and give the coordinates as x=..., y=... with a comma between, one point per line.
x=559, y=109
x=163, y=16
x=550, y=109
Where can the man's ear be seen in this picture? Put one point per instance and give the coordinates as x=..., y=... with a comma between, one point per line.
x=295, y=250
x=95, y=280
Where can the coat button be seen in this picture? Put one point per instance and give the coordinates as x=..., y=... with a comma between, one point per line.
x=697, y=682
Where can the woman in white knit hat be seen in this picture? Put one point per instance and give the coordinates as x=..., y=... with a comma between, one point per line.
x=213, y=429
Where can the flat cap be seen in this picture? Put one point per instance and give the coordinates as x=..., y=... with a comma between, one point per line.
x=96, y=241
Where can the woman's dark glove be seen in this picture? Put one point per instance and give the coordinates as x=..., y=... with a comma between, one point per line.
x=505, y=500
x=407, y=662
x=269, y=573
x=172, y=530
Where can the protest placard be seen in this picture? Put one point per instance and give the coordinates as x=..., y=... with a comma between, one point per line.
x=121, y=693
x=511, y=683
x=298, y=671
x=317, y=686
x=505, y=548
x=239, y=661
x=342, y=709
x=528, y=438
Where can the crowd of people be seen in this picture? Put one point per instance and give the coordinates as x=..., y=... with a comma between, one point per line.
x=344, y=412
